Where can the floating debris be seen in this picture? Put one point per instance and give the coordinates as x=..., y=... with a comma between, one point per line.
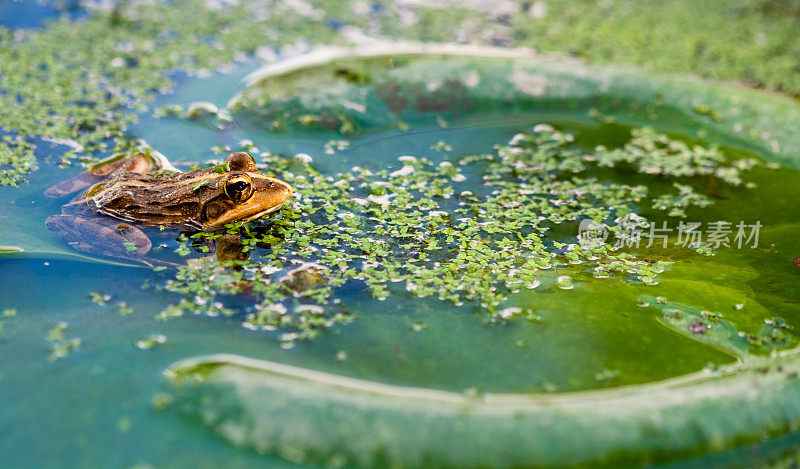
x=100, y=298
x=151, y=341
x=697, y=328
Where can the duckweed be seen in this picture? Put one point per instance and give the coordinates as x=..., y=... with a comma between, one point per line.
x=426, y=229
x=471, y=230
x=60, y=346
x=79, y=84
x=151, y=341
x=63, y=348
x=99, y=298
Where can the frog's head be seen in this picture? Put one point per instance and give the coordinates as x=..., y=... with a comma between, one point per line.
x=243, y=194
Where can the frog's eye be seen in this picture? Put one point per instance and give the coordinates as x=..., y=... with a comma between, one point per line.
x=238, y=187
x=241, y=161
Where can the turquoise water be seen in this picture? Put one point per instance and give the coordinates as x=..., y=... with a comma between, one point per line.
x=96, y=405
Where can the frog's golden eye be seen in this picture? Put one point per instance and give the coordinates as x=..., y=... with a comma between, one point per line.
x=238, y=187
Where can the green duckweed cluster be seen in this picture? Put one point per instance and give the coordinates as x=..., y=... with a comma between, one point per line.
x=426, y=228
x=472, y=230
x=81, y=83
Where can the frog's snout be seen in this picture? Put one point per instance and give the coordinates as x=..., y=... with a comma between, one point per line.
x=279, y=190
x=287, y=190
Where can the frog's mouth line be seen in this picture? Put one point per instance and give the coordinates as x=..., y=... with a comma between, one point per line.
x=264, y=212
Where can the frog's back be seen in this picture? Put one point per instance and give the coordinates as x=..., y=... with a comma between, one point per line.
x=170, y=200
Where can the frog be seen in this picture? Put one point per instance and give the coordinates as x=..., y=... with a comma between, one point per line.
x=125, y=193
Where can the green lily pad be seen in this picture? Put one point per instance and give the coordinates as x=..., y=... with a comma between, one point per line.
x=313, y=417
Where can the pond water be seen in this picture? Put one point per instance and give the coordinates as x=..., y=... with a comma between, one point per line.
x=100, y=404
x=32, y=14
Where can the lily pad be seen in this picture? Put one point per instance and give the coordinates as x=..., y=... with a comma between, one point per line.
x=313, y=417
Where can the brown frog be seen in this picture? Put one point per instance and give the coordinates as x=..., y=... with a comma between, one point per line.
x=144, y=190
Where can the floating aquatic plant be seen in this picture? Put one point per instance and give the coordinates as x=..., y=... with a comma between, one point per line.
x=471, y=230
x=61, y=346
